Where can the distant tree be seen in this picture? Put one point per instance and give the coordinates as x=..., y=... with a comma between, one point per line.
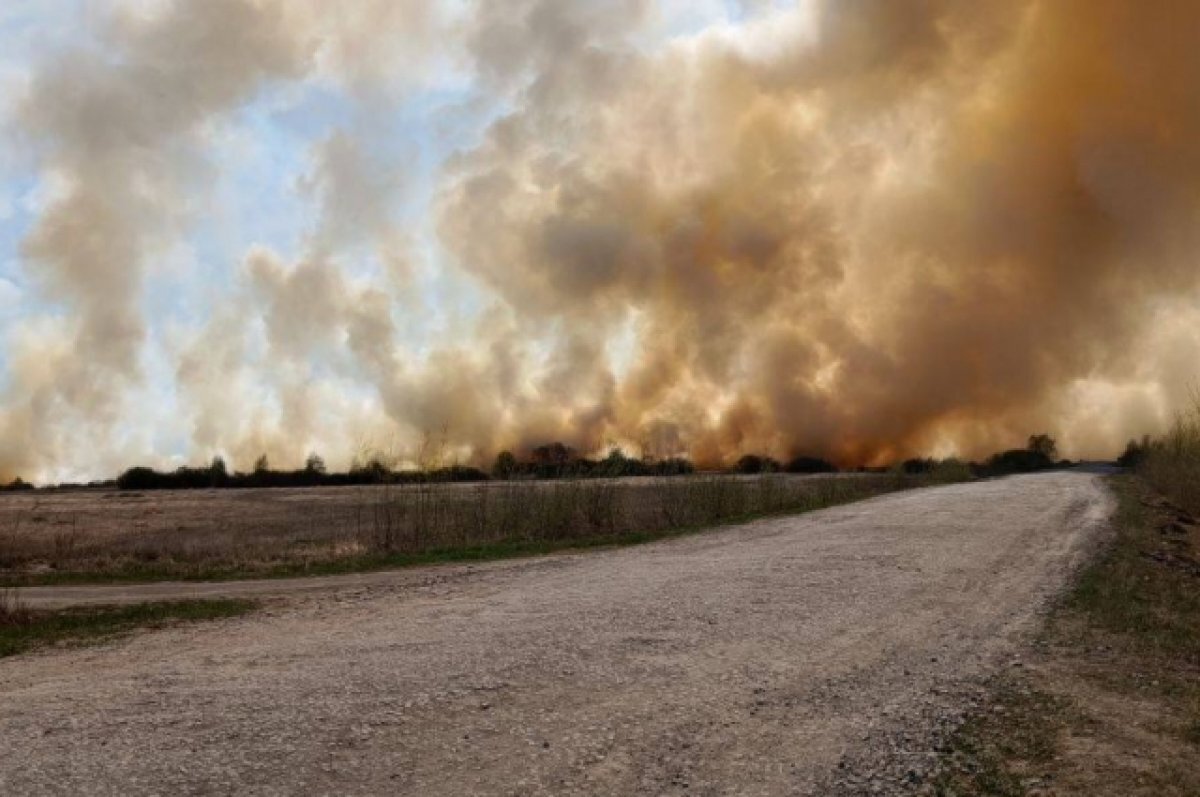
x=1043, y=445
x=262, y=465
x=505, y=466
x=315, y=465
x=804, y=464
x=139, y=479
x=618, y=464
x=218, y=473
x=371, y=470
x=672, y=466
x=755, y=463
x=553, y=454
x=749, y=463
x=1038, y=455
x=457, y=473
x=1135, y=453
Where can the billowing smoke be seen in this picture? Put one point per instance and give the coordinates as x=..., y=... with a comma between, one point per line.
x=863, y=229
x=116, y=137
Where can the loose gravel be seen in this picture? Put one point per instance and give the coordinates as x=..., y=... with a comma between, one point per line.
x=820, y=654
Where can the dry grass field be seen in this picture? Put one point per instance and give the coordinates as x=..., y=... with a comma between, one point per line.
x=49, y=536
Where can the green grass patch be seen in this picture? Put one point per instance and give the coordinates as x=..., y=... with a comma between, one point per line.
x=23, y=630
x=1143, y=590
x=1004, y=750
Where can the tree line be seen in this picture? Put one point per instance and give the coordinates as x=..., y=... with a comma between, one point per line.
x=551, y=461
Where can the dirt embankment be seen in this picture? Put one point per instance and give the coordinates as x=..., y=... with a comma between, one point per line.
x=803, y=655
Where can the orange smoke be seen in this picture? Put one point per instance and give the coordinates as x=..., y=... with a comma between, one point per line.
x=866, y=230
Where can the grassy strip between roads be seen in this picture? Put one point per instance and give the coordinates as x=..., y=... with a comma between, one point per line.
x=22, y=630
x=375, y=560
x=1110, y=702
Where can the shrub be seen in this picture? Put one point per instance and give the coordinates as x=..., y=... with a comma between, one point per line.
x=756, y=463
x=218, y=474
x=553, y=454
x=315, y=465
x=616, y=465
x=1017, y=460
x=140, y=479
x=456, y=473
x=505, y=466
x=918, y=467
x=951, y=470
x=1039, y=454
x=672, y=466
x=1135, y=453
x=1172, y=462
x=372, y=471
x=1043, y=444
x=804, y=464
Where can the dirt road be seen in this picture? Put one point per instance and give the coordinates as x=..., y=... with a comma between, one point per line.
x=807, y=655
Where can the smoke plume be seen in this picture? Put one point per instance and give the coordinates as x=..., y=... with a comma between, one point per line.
x=862, y=229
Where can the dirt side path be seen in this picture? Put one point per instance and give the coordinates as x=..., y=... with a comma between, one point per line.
x=751, y=661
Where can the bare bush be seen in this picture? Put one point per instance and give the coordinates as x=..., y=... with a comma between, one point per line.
x=1172, y=462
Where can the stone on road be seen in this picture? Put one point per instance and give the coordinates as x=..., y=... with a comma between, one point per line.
x=796, y=655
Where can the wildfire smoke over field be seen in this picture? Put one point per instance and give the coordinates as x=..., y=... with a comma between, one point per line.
x=860, y=229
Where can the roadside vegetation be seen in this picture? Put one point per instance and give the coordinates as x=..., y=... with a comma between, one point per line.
x=23, y=629
x=79, y=537
x=1171, y=463
x=377, y=516
x=1110, y=703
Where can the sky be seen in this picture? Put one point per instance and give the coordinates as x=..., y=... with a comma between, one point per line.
x=862, y=230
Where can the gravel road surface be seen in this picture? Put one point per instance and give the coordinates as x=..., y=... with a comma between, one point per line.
x=817, y=654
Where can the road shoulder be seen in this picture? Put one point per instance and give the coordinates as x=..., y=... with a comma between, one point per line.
x=1109, y=701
